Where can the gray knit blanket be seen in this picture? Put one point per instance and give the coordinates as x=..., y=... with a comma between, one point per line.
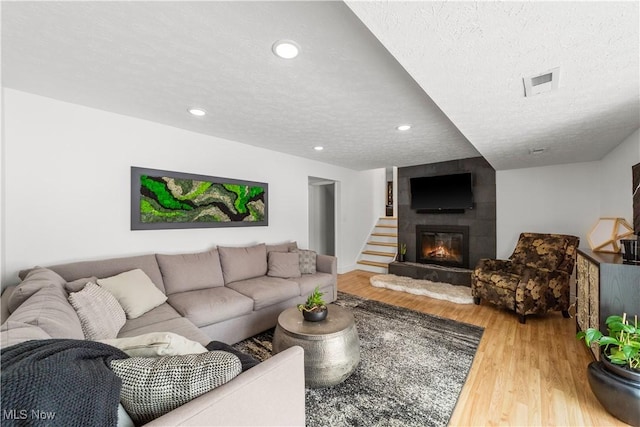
x=59, y=382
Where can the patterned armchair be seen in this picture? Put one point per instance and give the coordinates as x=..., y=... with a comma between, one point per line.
x=535, y=279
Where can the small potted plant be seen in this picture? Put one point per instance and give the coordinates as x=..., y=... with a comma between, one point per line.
x=615, y=379
x=314, y=309
x=402, y=251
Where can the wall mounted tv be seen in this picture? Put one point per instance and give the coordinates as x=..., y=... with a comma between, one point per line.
x=443, y=193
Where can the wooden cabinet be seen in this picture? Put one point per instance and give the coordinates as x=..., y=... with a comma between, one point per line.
x=604, y=286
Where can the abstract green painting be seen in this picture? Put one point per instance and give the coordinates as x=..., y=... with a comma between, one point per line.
x=164, y=199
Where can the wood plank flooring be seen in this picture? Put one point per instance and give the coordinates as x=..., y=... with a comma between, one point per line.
x=522, y=375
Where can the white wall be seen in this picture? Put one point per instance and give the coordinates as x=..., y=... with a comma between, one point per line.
x=67, y=180
x=566, y=199
x=553, y=199
x=616, y=179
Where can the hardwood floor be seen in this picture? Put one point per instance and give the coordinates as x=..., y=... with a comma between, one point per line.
x=522, y=375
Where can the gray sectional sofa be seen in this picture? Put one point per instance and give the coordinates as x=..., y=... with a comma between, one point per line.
x=226, y=294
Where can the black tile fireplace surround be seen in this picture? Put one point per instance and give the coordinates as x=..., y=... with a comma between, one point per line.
x=479, y=221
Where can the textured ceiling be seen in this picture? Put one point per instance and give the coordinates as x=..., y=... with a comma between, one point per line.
x=471, y=57
x=353, y=82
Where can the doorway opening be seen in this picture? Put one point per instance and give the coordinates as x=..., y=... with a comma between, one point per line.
x=322, y=215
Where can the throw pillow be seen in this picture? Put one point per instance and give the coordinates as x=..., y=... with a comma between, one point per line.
x=100, y=314
x=307, y=261
x=284, y=265
x=156, y=344
x=79, y=284
x=49, y=309
x=135, y=292
x=36, y=279
x=151, y=387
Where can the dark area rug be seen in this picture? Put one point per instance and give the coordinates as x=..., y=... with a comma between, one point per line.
x=412, y=368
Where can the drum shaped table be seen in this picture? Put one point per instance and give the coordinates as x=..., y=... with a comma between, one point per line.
x=331, y=346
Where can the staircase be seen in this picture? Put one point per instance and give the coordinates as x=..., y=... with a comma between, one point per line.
x=381, y=247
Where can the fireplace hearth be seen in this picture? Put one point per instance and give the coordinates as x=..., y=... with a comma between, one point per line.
x=446, y=245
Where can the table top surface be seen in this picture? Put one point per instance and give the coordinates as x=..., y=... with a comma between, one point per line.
x=338, y=320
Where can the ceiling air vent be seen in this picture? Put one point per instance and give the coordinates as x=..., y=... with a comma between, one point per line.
x=545, y=82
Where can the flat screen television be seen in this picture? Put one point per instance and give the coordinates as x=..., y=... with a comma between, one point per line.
x=442, y=193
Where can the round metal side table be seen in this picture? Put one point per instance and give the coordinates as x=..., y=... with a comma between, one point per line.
x=331, y=346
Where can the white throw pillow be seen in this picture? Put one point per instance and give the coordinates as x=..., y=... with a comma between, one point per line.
x=135, y=292
x=100, y=314
x=156, y=344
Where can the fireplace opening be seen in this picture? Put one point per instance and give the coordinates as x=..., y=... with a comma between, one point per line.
x=443, y=245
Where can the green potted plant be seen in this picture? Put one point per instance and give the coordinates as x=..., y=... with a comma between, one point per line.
x=615, y=379
x=314, y=309
x=402, y=251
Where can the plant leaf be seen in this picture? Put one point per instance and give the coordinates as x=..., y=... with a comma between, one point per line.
x=608, y=340
x=612, y=319
x=592, y=335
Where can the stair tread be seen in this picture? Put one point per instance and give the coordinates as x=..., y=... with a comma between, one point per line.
x=388, y=217
x=380, y=253
x=386, y=226
x=385, y=234
x=374, y=263
x=394, y=245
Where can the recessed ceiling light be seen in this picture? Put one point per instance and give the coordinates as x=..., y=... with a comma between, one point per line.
x=404, y=127
x=285, y=49
x=197, y=111
x=318, y=148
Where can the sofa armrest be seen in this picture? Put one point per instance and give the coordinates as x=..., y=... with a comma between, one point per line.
x=488, y=264
x=269, y=394
x=327, y=264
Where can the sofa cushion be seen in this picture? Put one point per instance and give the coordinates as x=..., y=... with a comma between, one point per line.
x=79, y=284
x=213, y=305
x=307, y=261
x=36, y=279
x=109, y=267
x=282, y=247
x=134, y=291
x=283, y=265
x=100, y=313
x=190, y=272
x=156, y=315
x=266, y=291
x=151, y=387
x=12, y=333
x=308, y=282
x=180, y=326
x=243, y=263
x=156, y=344
x=50, y=311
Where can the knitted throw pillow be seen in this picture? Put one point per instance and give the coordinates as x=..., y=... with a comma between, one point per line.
x=100, y=313
x=307, y=261
x=151, y=387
